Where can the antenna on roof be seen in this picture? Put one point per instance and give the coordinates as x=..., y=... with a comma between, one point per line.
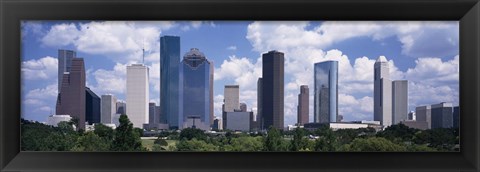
x=143, y=51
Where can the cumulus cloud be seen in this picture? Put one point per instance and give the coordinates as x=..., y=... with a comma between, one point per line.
x=43, y=68
x=233, y=48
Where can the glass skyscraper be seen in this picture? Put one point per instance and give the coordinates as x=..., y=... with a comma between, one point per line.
x=92, y=111
x=326, y=92
x=169, y=80
x=195, y=83
x=273, y=89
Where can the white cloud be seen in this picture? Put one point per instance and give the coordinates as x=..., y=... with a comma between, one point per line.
x=43, y=93
x=61, y=35
x=110, y=81
x=43, y=68
x=233, y=48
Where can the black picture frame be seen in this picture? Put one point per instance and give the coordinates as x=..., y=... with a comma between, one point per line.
x=13, y=11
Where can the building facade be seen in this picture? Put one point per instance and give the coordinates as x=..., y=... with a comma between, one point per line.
x=442, y=115
x=259, y=103
x=326, y=92
x=169, y=80
x=273, y=64
x=238, y=121
x=121, y=107
x=302, y=108
x=137, y=94
x=64, y=64
x=92, y=109
x=456, y=117
x=71, y=100
x=109, y=108
x=231, y=101
x=399, y=101
x=195, y=88
x=424, y=113
x=53, y=120
x=382, y=92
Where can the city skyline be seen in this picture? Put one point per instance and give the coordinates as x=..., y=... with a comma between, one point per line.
x=350, y=105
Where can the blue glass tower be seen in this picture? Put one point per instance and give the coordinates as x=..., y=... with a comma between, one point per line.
x=195, y=83
x=326, y=92
x=169, y=80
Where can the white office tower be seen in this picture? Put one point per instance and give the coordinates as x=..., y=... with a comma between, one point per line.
x=108, y=108
x=137, y=94
x=399, y=101
x=232, y=101
x=382, y=91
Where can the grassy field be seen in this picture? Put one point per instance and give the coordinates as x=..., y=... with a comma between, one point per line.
x=148, y=143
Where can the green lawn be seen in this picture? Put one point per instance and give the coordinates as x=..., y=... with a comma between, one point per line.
x=148, y=143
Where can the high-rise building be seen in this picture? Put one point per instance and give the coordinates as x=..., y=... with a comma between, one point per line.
x=212, y=68
x=137, y=94
x=158, y=114
x=121, y=108
x=442, y=115
x=195, y=88
x=273, y=89
x=71, y=100
x=259, y=103
x=326, y=92
x=64, y=64
x=152, y=115
x=169, y=80
x=382, y=92
x=302, y=108
x=243, y=107
x=424, y=113
x=109, y=109
x=217, y=125
x=399, y=101
x=231, y=101
x=92, y=109
x=456, y=117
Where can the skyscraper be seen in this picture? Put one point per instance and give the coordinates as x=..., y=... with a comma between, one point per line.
x=399, y=101
x=326, y=92
x=424, y=114
x=231, y=101
x=273, y=89
x=109, y=109
x=151, y=114
x=382, y=92
x=92, y=109
x=121, y=108
x=137, y=94
x=64, y=64
x=259, y=103
x=195, y=88
x=442, y=115
x=302, y=108
x=71, y=100
x=169, y=80
x=456, y=117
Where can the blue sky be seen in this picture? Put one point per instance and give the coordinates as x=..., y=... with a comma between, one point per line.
x=425, y=53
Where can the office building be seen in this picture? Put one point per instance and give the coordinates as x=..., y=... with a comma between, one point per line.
x=302, y=108
x=382, y=92
x=53, y=120
x=273, y=64
x=421, y=125
x=169, y=80
x=195, y=88
x=109, y=108
x=456, y=117
x=326, y=92
x=411, y=116
x=64, y=64
x=424, y=113
x=137, y=94
x=231, y=101
x=212, y=68
x=121, y=107
x=442, y=115
x=259, y=103
x=151, y=113
x=399, y=101
x=92, y=109
x=238, y=121
x=217, y=125
x=71, y=99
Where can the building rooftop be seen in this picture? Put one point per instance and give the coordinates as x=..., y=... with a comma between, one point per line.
x=382, y=59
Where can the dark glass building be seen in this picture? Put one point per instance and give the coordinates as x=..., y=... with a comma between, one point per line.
x=259, y=103
x=302, y=108
x=92, y=109
x=326, y=92
x=64, y=64
x=195, y=87
x=169, y=80
x=456, y=117
x=72, y=95
x=273, y=89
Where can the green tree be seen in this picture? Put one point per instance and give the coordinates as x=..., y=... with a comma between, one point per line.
x=160, y=142
x=299, y=142
x=125, y=138
x=74, y=121
x=195, y=145
x=398, y=133
x=91, y=142
x=104, y=131
x=191, y=133
x=274, y=141
x=373, y=144
x=327, y=141
x=245, y=143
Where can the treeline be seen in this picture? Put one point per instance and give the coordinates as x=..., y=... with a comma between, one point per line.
x=40, y=137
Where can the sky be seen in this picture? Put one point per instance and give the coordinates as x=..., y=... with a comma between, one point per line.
x=424, y=53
